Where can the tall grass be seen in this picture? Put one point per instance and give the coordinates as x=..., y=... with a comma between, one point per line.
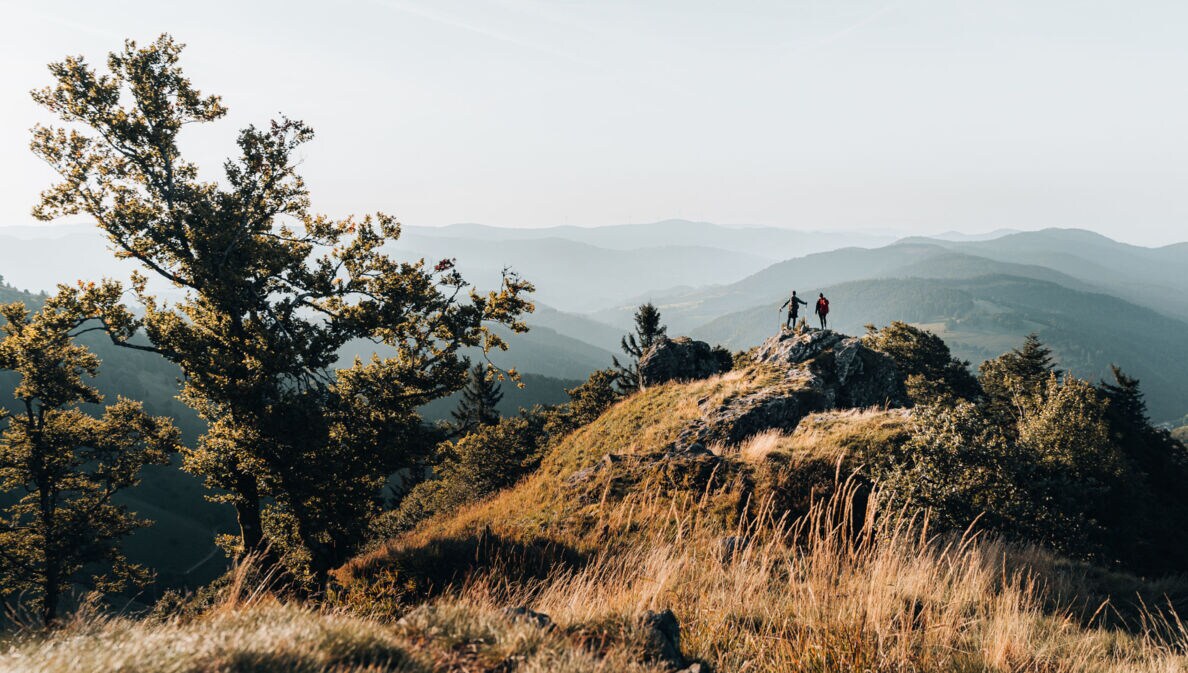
x=852, y=586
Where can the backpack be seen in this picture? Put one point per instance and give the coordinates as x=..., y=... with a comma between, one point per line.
x=823, y=306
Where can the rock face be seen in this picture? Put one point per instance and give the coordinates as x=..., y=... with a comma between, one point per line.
x=848, y=373
x=678, y=359
x=822, y=370
x=663, y=635
x=817, y=371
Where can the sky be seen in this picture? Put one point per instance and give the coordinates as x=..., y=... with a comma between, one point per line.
x=915, y=116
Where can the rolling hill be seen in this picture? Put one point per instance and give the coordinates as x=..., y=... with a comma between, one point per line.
x=1152, y=277
x=768, y=242
x=810, y=274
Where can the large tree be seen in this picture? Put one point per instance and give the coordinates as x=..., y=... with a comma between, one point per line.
x=60, y=467
x=648, y=330
x=268, y=294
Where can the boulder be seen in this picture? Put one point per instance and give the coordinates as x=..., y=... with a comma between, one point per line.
x=790, y=348
x=527, y=615
x=662, y=633
x=678, y=359
x=846, y=372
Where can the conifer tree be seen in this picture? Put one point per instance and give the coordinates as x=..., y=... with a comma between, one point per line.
x=269, y=294
x=648, y=331
x=1013, y=376
x=60, y=467
x=479, y=403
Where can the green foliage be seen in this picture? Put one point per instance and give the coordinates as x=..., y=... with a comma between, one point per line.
x=270, y=293
x=60, y=467
x=588, y=401
x=1180, y=434
x=932, y=374
x=648, y=330
x=479, y=403
x=1016, y=376
x=724, y=357
x=489, y=458
x=1155, y=500
x=494, y=456
x=742, y=359
x=1051, y=460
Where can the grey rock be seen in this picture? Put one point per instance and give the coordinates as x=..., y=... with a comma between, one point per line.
x=523, y=614
x=790, y=348
x=663, y=633
x=678, y=359
x=823, y=370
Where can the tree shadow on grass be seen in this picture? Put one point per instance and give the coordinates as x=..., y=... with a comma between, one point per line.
x=392, y=580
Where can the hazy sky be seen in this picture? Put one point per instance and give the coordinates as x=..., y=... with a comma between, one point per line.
x=919, y=115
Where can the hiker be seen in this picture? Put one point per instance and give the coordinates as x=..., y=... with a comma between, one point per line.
x=794, y=303
x=822, y=309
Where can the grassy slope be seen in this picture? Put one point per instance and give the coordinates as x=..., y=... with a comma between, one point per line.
x=787, y=596
x=841, y=588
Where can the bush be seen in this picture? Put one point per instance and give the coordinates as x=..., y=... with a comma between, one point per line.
x=932, y=373
x=1052, y=474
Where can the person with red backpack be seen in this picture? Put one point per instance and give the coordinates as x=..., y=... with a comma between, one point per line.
x=822, y=309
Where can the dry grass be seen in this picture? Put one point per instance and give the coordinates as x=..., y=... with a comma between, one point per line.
x=266, y=635
x=816, y=596
x=854, y=434
x=644, y=422
x=833, y=591
x=845, y=587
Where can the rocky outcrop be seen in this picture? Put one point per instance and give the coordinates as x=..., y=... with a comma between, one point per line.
x=678, y=359
x=662, y=634
x=815, y=372
x=843, y=369
x=821, y=370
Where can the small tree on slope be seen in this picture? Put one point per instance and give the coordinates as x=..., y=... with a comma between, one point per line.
x=60, y=467
x=648, y=331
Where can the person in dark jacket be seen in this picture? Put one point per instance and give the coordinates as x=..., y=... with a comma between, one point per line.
x=822, y=309
x=794, y=303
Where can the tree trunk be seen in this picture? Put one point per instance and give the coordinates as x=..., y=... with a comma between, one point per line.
x=49, y=606
x=247, y=512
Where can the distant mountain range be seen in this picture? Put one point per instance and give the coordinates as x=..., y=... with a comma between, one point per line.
x=725, y=283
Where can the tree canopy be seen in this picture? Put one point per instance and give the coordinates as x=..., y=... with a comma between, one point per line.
x=62, y=466
x=648, y=330
x=269, y=294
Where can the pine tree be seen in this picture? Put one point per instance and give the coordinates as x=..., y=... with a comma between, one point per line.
x=269, y=294
x=60, y=467
x=479, y=403
x=1015, y=375
x=648, y=331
